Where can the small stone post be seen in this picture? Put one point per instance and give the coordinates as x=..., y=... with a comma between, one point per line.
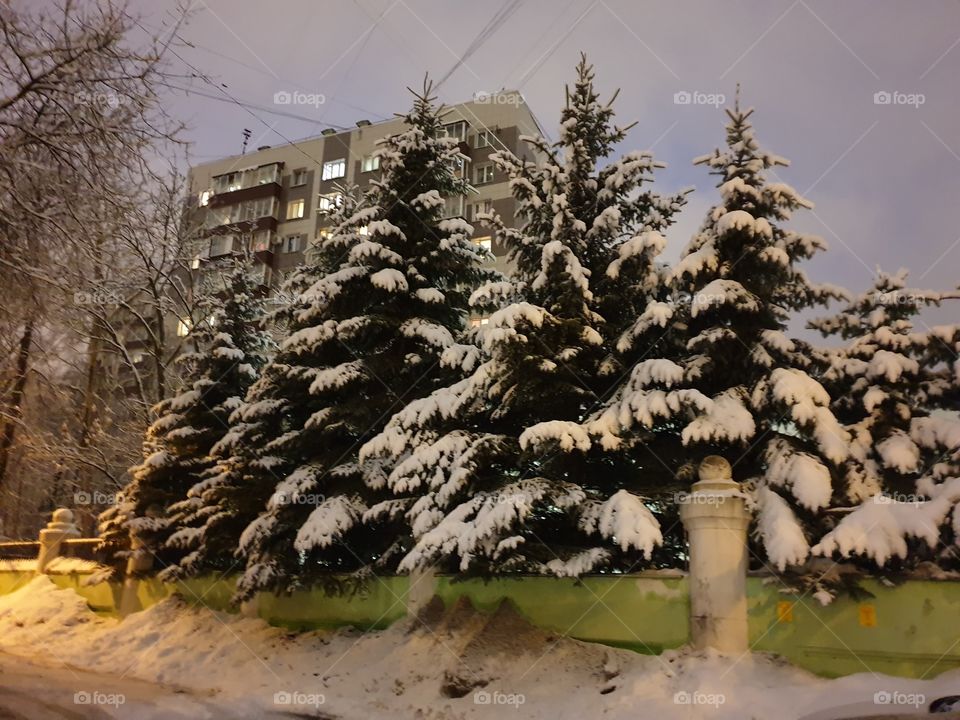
x=139, y=561
x=60, y=527
x=715, y=518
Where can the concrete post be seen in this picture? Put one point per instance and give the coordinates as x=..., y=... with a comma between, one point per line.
x=715, y=518
x=60, y=527
x=139, y=561
x=422, y=588
x=251, y=608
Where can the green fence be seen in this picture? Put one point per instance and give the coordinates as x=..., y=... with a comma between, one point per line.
x=912, y=630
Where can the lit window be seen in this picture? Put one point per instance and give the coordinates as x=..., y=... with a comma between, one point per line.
x=195, y=263
x=261, y=241
x=299, y=178
x=479, y=322
x=330, y=202
x=334, y=169
x=371, y=163
x=483, y=139
x=137, y=358
x=485, y=242
x=454, y=206
x=483, y=174
x=183, y=328
x=295, y=209
x=363, y=231
x=486, y=206
x=204, y=198
x=291, y=244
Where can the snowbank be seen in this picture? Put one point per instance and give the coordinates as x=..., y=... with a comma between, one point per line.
x=451, y=663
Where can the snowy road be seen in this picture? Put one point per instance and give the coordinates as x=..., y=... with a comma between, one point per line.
x=39, y=692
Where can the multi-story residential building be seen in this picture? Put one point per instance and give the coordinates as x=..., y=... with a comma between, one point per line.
x=272, y=201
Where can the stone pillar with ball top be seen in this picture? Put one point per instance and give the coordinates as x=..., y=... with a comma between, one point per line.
x=715, y=517
x=61, y=527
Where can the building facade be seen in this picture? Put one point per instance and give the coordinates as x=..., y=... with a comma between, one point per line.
x=273, y=201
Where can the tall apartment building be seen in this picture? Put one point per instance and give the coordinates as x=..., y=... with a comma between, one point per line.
x=272, y=201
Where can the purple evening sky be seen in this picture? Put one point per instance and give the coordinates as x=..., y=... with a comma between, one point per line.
x=885, y=176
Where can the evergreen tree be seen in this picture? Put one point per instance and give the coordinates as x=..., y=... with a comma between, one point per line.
x=494, y=472
x=233, y=492
x=732, y=382
x=887, y=387
x=177, y=445
x=369, y=338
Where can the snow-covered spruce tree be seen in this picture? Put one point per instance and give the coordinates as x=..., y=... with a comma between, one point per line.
x=739, y=387
x=494, y=472
x=887, y=388
x=235, y=490
x=231, y=349
x=369, y=339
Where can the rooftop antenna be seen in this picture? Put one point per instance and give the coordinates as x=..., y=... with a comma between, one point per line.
x=246, y=138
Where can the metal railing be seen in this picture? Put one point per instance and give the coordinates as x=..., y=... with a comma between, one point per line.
x=19, y=550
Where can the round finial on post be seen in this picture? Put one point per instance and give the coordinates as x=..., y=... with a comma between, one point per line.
x=714, y=467
x=62, y=516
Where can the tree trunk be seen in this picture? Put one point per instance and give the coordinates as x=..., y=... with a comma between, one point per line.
x=15, y=404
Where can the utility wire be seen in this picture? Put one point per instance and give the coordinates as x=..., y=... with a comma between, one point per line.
x=486, y=32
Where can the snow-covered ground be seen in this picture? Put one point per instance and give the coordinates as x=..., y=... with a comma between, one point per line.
x=452, y=663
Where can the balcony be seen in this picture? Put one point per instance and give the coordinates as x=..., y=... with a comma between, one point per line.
x=259, y=242
x=222, y=245
x=250, y=184
x=246, y=216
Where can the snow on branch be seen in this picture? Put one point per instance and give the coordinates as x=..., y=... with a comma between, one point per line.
x=624, y=519
x=880, y=527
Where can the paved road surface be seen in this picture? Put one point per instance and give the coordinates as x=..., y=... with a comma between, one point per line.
x=39, y=692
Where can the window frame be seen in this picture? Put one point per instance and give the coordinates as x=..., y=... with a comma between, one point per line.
x=291, y=243
x=484, y=169
x=486, y=242
x=329, y=165
x=328, y=202
x=461, y=136
x=303, y=209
